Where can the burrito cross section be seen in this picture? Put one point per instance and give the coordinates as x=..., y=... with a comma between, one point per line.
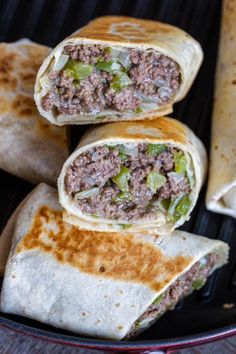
x=96, y=78
x=136, y=176
x=117, y=68
x=131, y=181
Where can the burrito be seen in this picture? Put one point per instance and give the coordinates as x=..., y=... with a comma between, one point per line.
x=221, y=192
x=116, y=285
x=6, y=237
x=142, y=176
x=8, y=230
x=30, y=147
x=117, y=68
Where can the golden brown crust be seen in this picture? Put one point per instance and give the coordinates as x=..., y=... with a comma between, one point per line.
x=125, y=29
x=166, y=129
x=23, y=106
x=7, y=79
x=18, y=71
x=115, y=256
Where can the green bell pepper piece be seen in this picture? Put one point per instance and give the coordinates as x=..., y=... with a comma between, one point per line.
x=158, y=299
x=180, y=162
x=122, y=197
x=121, y=180
x=156, y=149
x=125, y=226
x=78, y=70
x=155, y=180
x=179, y=206
x=108, y=66
x=120, y=81
x=198, y=284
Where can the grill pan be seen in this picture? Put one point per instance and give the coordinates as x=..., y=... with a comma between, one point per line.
x=201, y=317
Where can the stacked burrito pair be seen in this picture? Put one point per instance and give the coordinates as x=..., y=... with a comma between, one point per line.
x=125, y=188
x=142, y=175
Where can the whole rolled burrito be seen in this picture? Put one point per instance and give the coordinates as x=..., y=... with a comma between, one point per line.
x=142, y=176
x=221, y=192
x=30, y=147
x=117, y=68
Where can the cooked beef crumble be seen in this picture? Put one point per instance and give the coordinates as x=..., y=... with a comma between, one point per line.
x=155, y=75
x=182, y=287
x=99, y=166
x=87, y=54
x=151, y=74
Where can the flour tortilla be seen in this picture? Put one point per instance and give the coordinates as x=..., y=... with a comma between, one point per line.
x=128, y=32
x=163, y=130
x=94, y=284
x=30, y=147
x=221, y=191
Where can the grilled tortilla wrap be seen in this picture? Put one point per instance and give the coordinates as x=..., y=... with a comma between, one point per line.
x=30, y=147
x=99, y=284
x=142, y=176
x=8, y=230
x=6, y=236
x=117, y=68
x=221, y=192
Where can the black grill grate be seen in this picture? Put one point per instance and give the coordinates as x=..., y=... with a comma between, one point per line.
x=48, y=22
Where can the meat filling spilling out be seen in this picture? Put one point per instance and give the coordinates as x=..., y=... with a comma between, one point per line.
x=192, y=280
x=96, y=79
x=132, y=182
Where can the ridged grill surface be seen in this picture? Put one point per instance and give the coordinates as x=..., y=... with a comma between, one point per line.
x=48, y=22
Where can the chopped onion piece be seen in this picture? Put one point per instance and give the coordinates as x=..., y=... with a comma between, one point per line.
x=158, y=203
x=203, y=261
x=61, y=62
x=160, y=82
x=46, y=85
x=146, y=99
x=115, y=53
x=176, y=176
x=88, y=193
x=164, y=91
x=148, y=106
x=189, y=171
x=124, y=59
x=131, y=150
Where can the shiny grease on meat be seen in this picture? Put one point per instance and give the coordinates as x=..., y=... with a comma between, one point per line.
x=183, y=286
x=96, y=78
x=125, y=182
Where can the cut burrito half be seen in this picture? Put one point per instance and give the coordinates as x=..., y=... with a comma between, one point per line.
x=221, y=191
x=142, y=176
x=30, y=147
x=99, y=284
x=117, y=68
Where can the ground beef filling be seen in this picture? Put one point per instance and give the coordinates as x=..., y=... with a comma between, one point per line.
x=141, y=77
x=194, y=279
x=128, y=183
